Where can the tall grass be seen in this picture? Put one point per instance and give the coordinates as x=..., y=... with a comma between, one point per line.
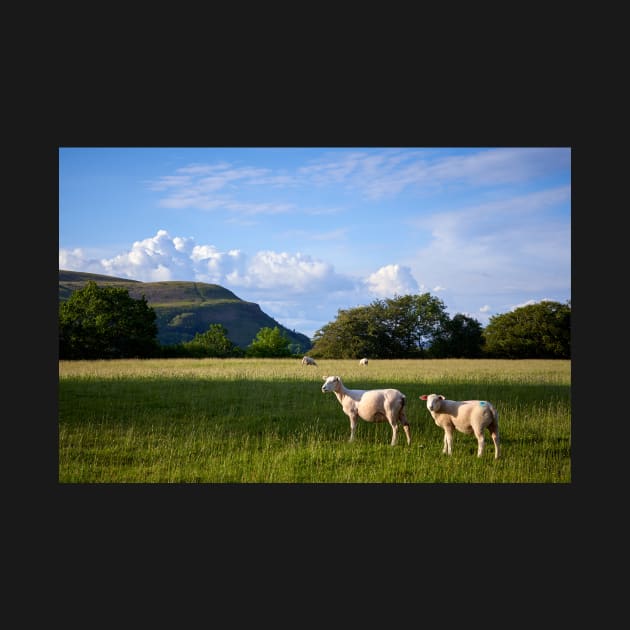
x=267, y=421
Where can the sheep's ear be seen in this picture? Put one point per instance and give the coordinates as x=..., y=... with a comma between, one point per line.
x=423, y=397
x=442, y=397
x=324, y=378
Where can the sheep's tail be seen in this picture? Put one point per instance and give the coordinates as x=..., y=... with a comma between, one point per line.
x=402, y=416
x=495, y=414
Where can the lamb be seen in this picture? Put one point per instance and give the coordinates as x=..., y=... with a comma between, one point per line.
x=467, y=416
x=308, y=361
x=363, y=361
x=372, y=405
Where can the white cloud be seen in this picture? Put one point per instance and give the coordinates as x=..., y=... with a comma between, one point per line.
x=213, y=266
x=162, y=257
x=169, y=181
x=480, y=247
x=388, y=173
x=152, y=258
x=197, y=186
x=300, y=291
x=294, y=273
x=76, y=259
x=391, y=280
x=184, y=244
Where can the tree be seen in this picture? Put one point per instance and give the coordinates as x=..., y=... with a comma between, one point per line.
x=269, y=342
x=105, y=323
x=414, y=321
x=400, y=327
x=356, y=332
x=536, y=331
x=213, y=343
x=461, y=337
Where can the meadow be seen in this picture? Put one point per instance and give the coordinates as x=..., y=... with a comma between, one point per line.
x=253, y=421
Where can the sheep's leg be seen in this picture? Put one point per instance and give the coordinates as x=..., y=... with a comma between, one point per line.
x=353, y=426
x=448, y=441
x=494, y=432
x=480, y=441
x=394, y=433
x=402, y=417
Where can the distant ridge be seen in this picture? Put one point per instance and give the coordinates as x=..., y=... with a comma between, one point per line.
x=184, y=309
x=76, y=276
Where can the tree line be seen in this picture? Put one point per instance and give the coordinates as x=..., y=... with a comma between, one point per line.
x=105, y=323
x=418, y=326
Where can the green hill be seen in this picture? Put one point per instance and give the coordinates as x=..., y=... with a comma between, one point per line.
x=184, y=309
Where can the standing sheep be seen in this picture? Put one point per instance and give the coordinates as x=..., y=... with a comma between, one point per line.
x=372, y=405
x=308, y=361
x=363, y=361
x=467, y=416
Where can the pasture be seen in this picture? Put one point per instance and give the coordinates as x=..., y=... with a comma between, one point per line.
x=267, y=421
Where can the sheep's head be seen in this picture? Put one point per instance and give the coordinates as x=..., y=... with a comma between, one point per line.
x=433, y=401
x=331, y=383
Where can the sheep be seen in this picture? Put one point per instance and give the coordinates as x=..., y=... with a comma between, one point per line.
x=363, y=361
x=308, y=361
x=372, y=405
x=467, y=416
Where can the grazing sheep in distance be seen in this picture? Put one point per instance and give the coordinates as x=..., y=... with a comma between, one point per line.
x=372, y=405
x=308, y=361
x=363, y=361
x=467, y=416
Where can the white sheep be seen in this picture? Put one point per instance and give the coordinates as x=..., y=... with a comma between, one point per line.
x=467, y=416
x=372, y=405
x=363, y=361
x=308, y=361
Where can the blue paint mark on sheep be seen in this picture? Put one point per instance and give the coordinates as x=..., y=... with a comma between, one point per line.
x=482, y=402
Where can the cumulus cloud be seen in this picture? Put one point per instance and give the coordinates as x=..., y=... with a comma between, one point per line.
x=391, y=280
x=152, y=258
x=277, y=281
x=214, y=266
x=162, y=257
x=295, y=273
x=300, y=290
x=78, y=260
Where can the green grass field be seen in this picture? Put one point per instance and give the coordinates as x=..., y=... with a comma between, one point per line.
x=267, y=421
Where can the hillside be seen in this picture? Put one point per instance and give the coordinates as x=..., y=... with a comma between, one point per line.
x=184, y=309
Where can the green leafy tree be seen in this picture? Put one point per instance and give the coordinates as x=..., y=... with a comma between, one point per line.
x=413, y=321
x=213, y=343
x=400, y=327
x=269, y=342
x=536, y=331
x=461, y=337
x=356, y=332
x=106, y=323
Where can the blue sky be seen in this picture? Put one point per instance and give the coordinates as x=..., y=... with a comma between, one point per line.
x=306, y=231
